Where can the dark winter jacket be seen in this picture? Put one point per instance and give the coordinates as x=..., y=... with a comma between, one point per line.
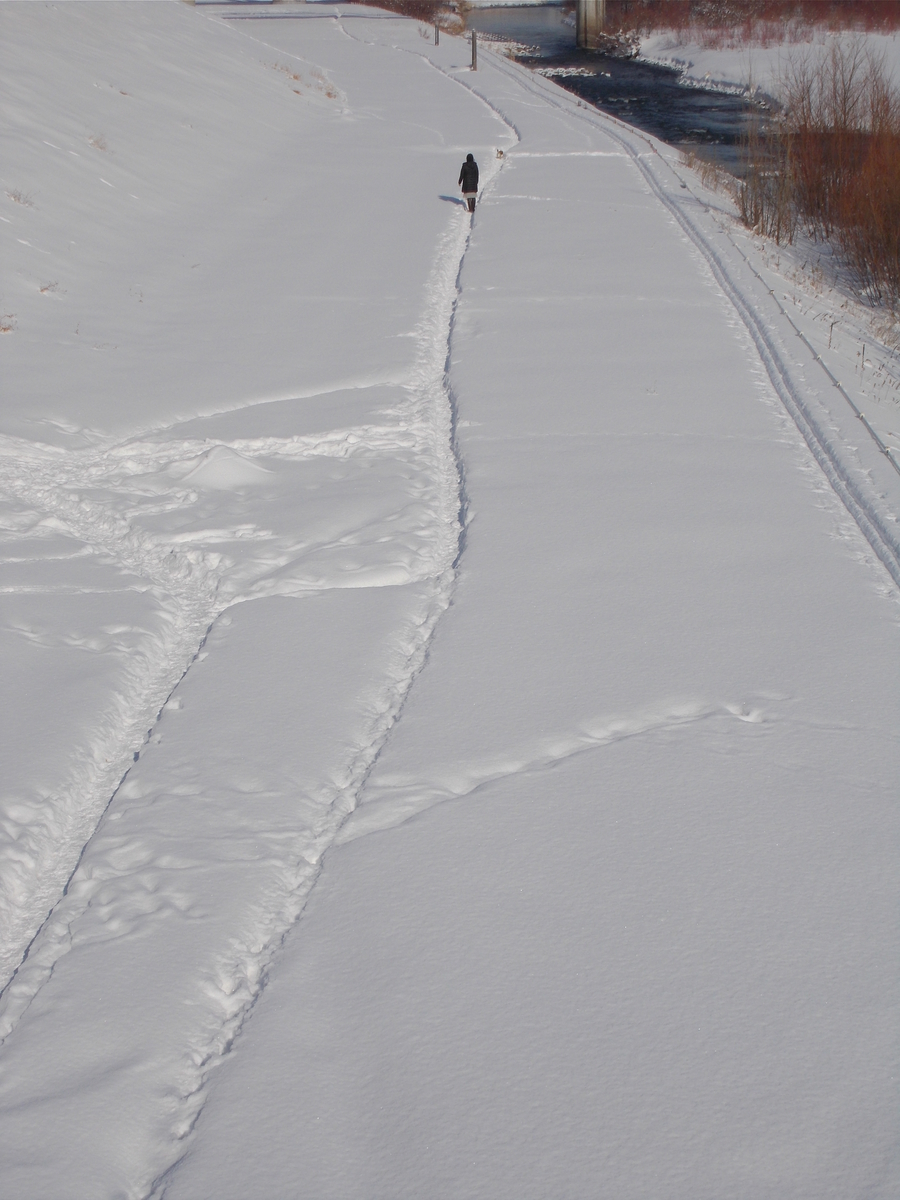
x=468, y=176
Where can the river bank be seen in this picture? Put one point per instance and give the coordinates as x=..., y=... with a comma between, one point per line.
x=653, y=96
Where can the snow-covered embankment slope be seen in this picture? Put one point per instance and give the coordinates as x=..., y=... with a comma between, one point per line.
x=225, y=383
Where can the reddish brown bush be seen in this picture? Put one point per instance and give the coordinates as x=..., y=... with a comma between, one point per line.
x=869, y=221
x=832, y=164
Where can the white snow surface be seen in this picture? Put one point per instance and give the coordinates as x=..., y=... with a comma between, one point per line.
x=761, y=66
x=450, y=665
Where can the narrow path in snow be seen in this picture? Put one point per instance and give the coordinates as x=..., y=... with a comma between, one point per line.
x=104, y=497
x=148, y=516
x=59, y=490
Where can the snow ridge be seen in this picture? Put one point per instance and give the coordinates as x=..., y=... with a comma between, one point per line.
x=98, y=497
x=398, y=798
x=38, y=859
x=241, y=975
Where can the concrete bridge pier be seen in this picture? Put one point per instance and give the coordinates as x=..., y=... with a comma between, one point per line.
x=590, y=23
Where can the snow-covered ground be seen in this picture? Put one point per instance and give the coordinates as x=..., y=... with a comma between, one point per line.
x=512, y=606
x=758, y=66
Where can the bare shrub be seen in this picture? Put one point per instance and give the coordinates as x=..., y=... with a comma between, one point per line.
x=291, y=74
x=98, y=141
x=712, y=176
x=452, y=23
x=318, y=82
x=832, y=164
x=714, y=23
x=20, y=198
x=869, y=221
x=834, y=104
x=449, y=15
x=766, y=200
x=322, y=84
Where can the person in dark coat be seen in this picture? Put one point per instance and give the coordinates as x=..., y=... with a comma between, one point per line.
x=468, y=181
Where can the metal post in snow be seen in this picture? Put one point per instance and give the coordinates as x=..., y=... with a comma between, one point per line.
x=437, y=34
x=474, y=51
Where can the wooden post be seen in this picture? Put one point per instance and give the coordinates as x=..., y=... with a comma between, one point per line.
x=474, y=51
x=437, y=33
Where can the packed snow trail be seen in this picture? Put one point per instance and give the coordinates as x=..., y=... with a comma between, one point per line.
x=859, y=475
x=616, y=914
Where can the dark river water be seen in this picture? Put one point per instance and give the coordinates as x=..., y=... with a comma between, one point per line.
x=652, y=98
